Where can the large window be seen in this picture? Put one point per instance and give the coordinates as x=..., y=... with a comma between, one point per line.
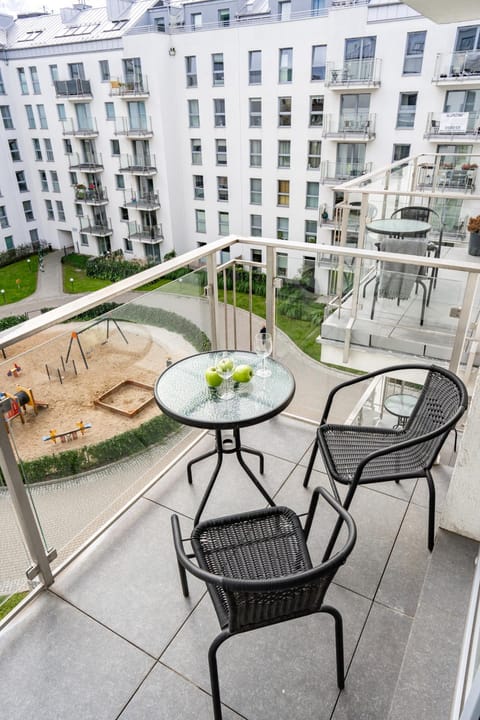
x=407, y=107
x=312, y=195
x=255, y=67
x=285, y=65
x=196, y=148
x=319, y=53
x=218, y=76
x=314, y=154
x=255, y=153
x=200, y=222
x=223, y=16
x=359, y=58
x=196, y=21
x=285, y=111
x=316, y=111
x=400, y=151
x=193, y=114
x=412, y=63
x=255, y=112
x=354, y=112
x=284, y=153
x=468, y=38
x=255, y=191
x=191, y=71
x=219, y=119
x=462, y=101
x=221, y=152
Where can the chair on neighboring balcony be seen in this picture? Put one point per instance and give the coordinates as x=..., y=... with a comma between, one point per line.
x=359, y=455
x=425, y=214
x=258, y=572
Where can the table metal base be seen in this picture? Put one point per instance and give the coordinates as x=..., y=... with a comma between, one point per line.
x=227, y=446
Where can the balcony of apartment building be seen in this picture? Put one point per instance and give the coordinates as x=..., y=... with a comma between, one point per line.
x=86, y=129
x=354, y=74
x=458, y=69
x=86, y=162
x=97, y=224
x=334, y=172
x=138, y=164
x=453, y=127
x=130, y=89
x=134, y=130
x=148, y=200
x=440, y=173
x=74, y=90
x=146, y=233
x=350, y=127
x=91, y=194
x=106, y=615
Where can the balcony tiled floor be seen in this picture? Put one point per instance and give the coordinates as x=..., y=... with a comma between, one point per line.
x=115, y=638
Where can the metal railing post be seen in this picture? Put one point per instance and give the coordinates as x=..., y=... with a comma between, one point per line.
x=212, y=292
x=463, y=322
x=24, y=512
x=270, y=292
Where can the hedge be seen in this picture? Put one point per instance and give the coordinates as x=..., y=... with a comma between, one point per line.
x=11, y=321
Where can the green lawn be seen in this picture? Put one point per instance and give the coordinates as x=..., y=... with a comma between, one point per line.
x=8, y=603
x=18, y=280
x=81, y=283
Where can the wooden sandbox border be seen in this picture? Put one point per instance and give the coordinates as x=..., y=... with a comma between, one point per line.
x=100, y=401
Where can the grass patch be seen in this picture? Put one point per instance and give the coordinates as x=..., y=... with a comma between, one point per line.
x=19, y=280
x=81, y=283
x=7, y=603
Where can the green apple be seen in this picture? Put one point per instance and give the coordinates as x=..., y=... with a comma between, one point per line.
x=242, y=373
x=225, y=365
x=212, y=377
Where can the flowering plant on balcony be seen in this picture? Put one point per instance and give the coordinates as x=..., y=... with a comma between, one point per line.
x=469, y=166
x=474, y=224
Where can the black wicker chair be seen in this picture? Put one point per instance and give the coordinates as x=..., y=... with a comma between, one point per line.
x=359, y=455
x=425, y=214
x=259, y=572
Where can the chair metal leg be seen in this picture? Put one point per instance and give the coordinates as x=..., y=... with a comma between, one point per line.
x=311, y=463
x=431, y=510
x=212, y=665
x=183, y=579
x=338, y=643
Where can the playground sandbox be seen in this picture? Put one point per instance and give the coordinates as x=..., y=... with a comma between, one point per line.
x=127, y=358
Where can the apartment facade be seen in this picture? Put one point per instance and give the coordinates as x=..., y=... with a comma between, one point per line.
x=151, y=128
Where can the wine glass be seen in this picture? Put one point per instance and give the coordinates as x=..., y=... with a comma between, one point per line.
x=263, y=348
x=225, y=365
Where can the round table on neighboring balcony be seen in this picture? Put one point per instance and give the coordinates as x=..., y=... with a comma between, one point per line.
x=400, y=405
x=399, y=227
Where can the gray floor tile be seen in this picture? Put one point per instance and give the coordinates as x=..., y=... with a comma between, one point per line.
x=57, y=663
x=128, y=579
x=282, y=436
x=165, y=695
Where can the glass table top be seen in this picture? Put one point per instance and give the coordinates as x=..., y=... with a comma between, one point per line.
x=401, y=227
x=182, y=392
x=400, y=404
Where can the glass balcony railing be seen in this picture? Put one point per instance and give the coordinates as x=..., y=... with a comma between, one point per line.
x=142, y=127
x=88, y=128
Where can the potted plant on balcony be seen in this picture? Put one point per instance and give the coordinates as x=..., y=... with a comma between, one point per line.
x=473, y=228
x=80, y=191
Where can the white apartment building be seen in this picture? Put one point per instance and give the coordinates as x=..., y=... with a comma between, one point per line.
x=149, y=127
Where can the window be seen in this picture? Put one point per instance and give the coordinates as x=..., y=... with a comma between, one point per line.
x=115, y=148
x=217, y=69
x=83, y=239
x=284, y=153
x=22, y=79
x=412, y=63
x=311, y=231
x=354, y=112
x=53, y=72
x=54, y=180
x=316, y=111
x=255, y=191
x=62, y=115
x=319, y=53
x=120, y=182
x=2, y=86
x=28, y=210
x=9, y=244
x=3, y=218
x=468, y=38
x=406, y=110
x=285, y=69
x=104, y=70
x=191, y=71
x=49, y=209
x=255, y=67
x=283, y=192
x=222, y=188
x=73, y=178
x=200, y=222
x=42, y=118
x=285, y=111
x=360, y=48
x=255, y=153
x=400, y=152
x=285, y=7
x=34, y=239
x=14, y=150
x=256, y=227
x=198, y=189
x=127, y=245
x=21, y=181
x=282, y=264
x=219, y=112
x=314, y=154
x=223, y=223
x=312, y=195
x=193, y=114
x=256, y=256
x=282, y=228
x=60, y=210
x=160, y=25
x=221, y=152
x=43, y=180
x=124, y=214
x=110, y=111
x=196, y=21
x=255, y=112
x=6, y=117
x=49, y=150
x=350, y=160
x=76, y=71
x=37, y=150
x=223, y=17
x=137, y=116
x=67, y=146
x=196, y=147
x=35, y=81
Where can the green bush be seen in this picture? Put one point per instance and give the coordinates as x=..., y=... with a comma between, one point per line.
x=112, y=268
x=76, y=260
x=146, y=315
x=11, y=321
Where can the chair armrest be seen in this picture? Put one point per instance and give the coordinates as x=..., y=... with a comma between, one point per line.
x=339, y=509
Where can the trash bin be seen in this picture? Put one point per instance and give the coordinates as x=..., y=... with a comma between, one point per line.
x=474, y=244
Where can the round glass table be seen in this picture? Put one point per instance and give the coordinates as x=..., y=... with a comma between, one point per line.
x=401, y=406
x=182, y=393
x=399, y=227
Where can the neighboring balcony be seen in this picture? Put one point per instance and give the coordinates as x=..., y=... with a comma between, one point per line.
x=96, y=226
x=91, y=196
x=138, y=165
x=454, y=127
x=86, y=130
x=459, y=68
x=331, y=171
x=88, y=163
x=350, y=128
x=150, y=235
x=141, y=201
x=79, y=90
x=448, y=176
x=139, y=130
x=354, y=74
x=129, y=89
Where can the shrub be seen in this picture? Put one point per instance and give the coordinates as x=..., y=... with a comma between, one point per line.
x=474, y=224
x=11, y=321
